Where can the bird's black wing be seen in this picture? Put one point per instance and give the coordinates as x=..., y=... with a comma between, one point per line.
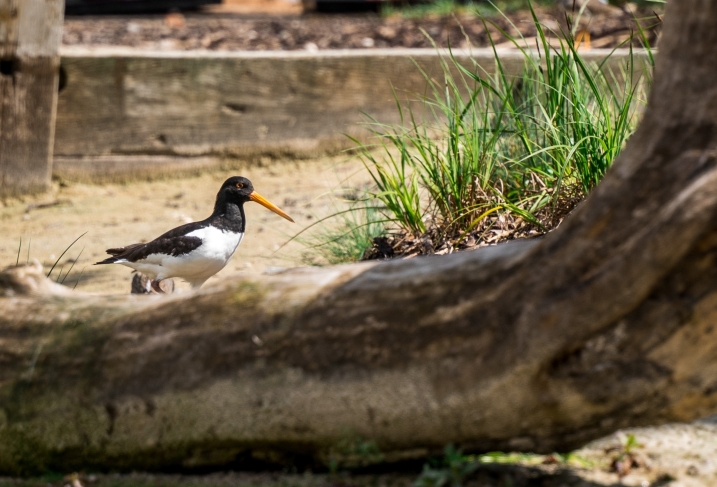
x=174, y=242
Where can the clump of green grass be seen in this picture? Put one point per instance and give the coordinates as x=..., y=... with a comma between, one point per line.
x=499, y=156
x=347, y=237
x=503, y=156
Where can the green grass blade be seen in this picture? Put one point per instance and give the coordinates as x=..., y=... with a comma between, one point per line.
x=64, y=252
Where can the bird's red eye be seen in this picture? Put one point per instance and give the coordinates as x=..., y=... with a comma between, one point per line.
x=240, y=185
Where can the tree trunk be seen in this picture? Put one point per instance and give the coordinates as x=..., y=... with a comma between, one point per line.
x=534, y=345
x=30, y=32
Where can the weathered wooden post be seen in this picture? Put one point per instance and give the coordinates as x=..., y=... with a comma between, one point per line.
x=30, y=34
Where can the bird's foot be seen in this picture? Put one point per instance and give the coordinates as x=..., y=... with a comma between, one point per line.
x=141, y=284
x=156, y=287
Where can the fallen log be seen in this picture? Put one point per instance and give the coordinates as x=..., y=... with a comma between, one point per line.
x=534, y=345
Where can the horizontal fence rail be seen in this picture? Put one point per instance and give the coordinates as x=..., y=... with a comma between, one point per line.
x=126, y=113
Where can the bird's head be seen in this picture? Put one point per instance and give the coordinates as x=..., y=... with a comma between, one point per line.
x=239, y=190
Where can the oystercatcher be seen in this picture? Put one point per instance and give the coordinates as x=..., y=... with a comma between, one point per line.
x=196, y=251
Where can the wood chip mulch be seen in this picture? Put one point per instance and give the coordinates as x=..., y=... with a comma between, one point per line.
x=222, y=31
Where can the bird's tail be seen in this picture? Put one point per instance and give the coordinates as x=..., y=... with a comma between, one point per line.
x=116, y=254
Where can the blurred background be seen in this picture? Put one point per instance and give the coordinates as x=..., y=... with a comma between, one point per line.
x=345, y=24
x=286, y=6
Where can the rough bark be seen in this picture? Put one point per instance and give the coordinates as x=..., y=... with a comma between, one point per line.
x=534, y=345
x=30, y=32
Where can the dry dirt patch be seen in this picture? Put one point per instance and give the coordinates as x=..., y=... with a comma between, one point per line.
x=119, y=214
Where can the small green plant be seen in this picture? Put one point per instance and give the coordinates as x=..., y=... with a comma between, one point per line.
x=353, y=451
x=625, y=457
x=450, y=471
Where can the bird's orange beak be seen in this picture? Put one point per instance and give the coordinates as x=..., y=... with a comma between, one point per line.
x=256, y=197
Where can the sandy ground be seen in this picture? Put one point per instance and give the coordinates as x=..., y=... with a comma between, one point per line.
x=674, y=455
x=117, y=215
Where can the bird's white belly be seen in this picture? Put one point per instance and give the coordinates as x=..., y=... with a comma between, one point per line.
x=210, y=257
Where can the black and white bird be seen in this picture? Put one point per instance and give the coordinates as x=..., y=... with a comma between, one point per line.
x=196, y=251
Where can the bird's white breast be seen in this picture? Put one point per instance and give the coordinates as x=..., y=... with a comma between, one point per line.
x=216, y=244
x=216, y=250
x=210, y=257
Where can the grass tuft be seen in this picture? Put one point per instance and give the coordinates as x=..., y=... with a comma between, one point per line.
x=349, y=236
x=488, y=155
x=502, y=156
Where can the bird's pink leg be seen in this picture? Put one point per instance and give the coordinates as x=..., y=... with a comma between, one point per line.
x=156, y=288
